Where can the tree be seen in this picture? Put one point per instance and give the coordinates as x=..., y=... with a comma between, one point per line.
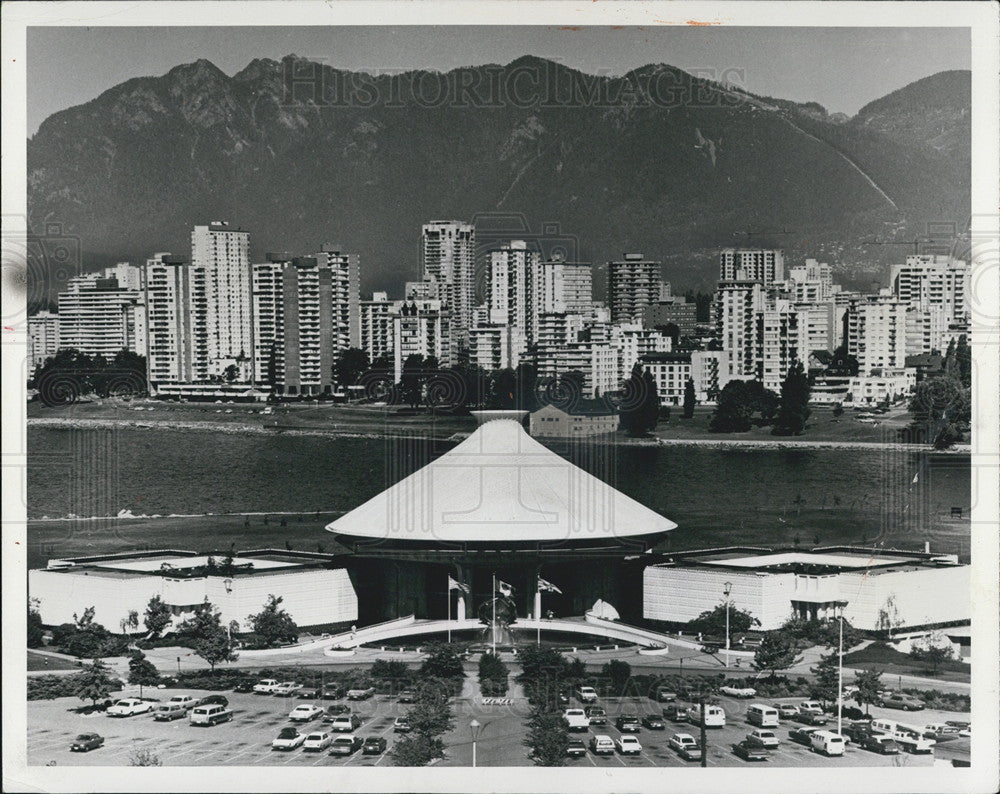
x=548, y=737
x=274, y=625
x=442, y=662
x=94, y=682
x=640, y=403
x=412, y=379
x=689, y=399
x=888, y=617
x=36, y=631
x=838, y=410
x=157, y=616
x=544, y=672
x=210, y=640
x=827, y=672
x=143, y=757
x=141, y=671
x=84, y=620
x=130, y=622
x=869, y=684
x=776, y=652
x=503, y=389
x=794, y=410
x=348, y=366
x=416, y=749
x=713, y=621
x=492, y=675
x=933, y=653
x=618, y=674
x=231, y=373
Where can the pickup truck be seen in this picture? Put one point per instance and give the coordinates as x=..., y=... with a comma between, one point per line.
x=360, y=693
x=128, y=707
x=912, y=741
x=576, y=719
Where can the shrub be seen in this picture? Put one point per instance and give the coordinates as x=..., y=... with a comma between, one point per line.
x=49, y=687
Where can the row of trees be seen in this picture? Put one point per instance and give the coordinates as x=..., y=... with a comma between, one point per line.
x=430, y=716
x=745, y=403
x=941, y=406
x=70, y=374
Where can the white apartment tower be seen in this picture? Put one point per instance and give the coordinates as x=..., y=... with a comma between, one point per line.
x=177, y=307
x=43, y=338
x=98, y=316
x=421, y=328
x=448, y=250
x=876, y=333
x=751, y=264
x=514, y=287
x=633, y=285
x=376, y=326
x=564, y=287
x=224, y=253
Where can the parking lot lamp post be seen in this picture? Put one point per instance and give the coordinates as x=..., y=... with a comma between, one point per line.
x=841, y=605
x=475, y=727
x=704, y=737
x=727, y=589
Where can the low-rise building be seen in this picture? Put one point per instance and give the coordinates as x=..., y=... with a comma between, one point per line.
x=313, y=593
x=908, y=589
x=881, y=385
x=671, y=371
x=584, y=419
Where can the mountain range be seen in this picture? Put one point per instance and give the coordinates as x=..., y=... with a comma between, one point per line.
x=655, y=161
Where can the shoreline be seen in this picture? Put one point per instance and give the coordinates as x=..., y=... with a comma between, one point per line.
x=719, y=443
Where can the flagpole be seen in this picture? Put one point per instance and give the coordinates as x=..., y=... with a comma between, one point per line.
x=493, y=628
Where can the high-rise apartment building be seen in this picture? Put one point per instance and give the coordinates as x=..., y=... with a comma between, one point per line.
x=751, y=264
x=224, y=254
x=777, y=342
x=737, y=305
x=98, y=316
x=494, y=347
x=633, y=285
x=376, y=326
x=596, y=362
x=929, y=280
x=876, y=333
x=449, y=258
x=43, y=338
x=811, y=282
x=421, y=328
x=564, y=287
x=514, y=288
x=176, y=306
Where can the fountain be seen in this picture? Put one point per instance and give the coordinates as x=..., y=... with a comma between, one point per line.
x=497, y=614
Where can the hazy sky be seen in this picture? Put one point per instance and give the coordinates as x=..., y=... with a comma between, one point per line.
x=841, y=68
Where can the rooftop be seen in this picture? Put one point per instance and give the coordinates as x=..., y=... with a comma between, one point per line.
x=822, y=561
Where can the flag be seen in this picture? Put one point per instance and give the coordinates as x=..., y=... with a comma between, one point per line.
x=454, y=584
x=504, y=588
x=916, y=477
x=547, y=586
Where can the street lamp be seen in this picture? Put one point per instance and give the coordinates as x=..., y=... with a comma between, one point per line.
x=841, y=605
x=475, y=727
x=727, y=588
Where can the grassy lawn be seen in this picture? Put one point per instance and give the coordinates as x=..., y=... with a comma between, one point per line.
x=889, y=660
x=38, y=661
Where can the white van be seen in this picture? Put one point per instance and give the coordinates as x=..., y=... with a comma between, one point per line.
x=884, y=726
x=828, y=743
x=764, y=716
x=715, y=717
x=210, y=715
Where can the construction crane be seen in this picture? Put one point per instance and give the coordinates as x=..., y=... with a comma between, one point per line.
x=917, y=241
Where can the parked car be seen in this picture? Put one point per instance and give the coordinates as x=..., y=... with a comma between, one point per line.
x=664, y=695
x=401, y=725
x=627, y=723
x=602, y=744
x=786, y=710
x=937, y=730
x=333, y=692
x=265, y=687
x=748, y=752
x=288, y=739
x=318, y=740
x=86, y=742
x=286, y=688
x=762, y=737
x=165, y=712
x=686, y=746
x=333, y=711
x=374, y=745
x=811, y=707
x=597, y=715
x=129, y=707
x=346, y=723
x=562, y=698
x=345, y=745
x=878, y=743
x=576, y=719
x=629, y=745
x=576, y=748
x=654, y=722
x=246, y=685
x=802, y=735
x=407, y=696
x=305, y=712
x=675, y=713
x=214, y=700
x=187, y=702
x=586, y=694
x=857, y=731
x=912, y=740
x=210, y=715
x=810, y=718
x=308, y=693
x=362, y=693
x=902, y=702
x=741, y=692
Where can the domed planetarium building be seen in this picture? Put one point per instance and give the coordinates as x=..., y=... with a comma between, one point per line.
x=499, y=506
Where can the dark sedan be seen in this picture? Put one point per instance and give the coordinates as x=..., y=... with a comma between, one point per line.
x=653, y=722
x=576, y=748
x=802, y=736
x=374, y=745
x=86, y=742
x=334, y=711
x=810, y=718
x=878, y=743
x=627, y=723
x=748, y=752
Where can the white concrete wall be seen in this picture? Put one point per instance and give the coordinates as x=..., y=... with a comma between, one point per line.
x=311, y=597
x=681, y=594
x=934, y=595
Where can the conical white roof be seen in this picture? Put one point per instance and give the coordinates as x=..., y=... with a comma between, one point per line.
x=500, y=485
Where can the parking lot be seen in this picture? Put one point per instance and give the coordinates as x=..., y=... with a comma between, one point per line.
x=246, y=740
